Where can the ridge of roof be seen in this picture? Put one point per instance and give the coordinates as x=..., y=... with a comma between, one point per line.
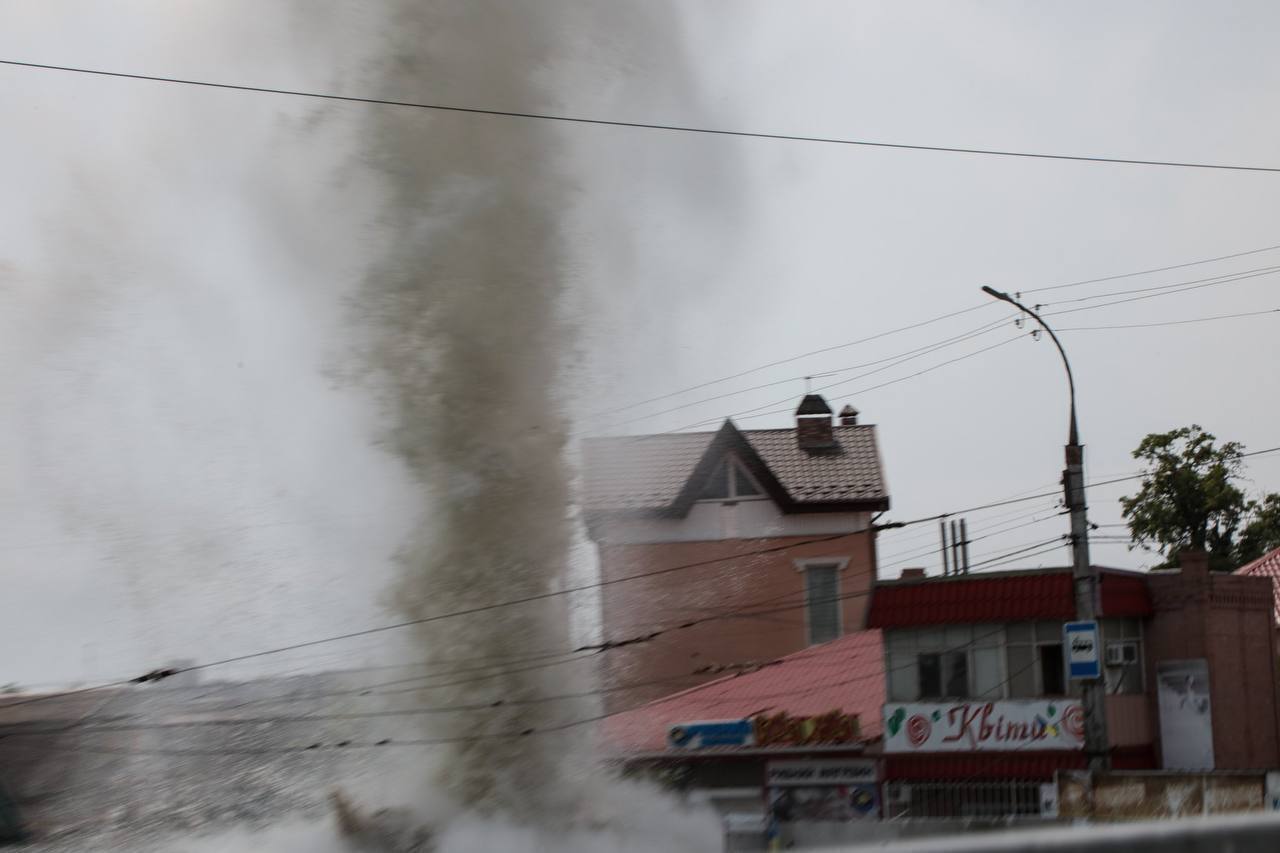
x=1048, y=570
x=663, y=473
x=710, y=432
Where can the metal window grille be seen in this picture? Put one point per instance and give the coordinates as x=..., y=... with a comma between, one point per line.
x=961, y=801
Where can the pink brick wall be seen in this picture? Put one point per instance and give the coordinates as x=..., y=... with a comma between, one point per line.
x=755, y=581
x=1226, y=619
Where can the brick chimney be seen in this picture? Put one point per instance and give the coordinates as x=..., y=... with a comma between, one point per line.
x=912, y=574
x=848, y=416
x=1193, y=563
x=813, y=425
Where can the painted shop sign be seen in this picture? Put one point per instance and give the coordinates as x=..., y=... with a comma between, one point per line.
x=782, y=729
x=1028, y=724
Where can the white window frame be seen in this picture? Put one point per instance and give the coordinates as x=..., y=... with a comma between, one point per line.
x=802, y=565
x=736, y=467
x=1142, y=653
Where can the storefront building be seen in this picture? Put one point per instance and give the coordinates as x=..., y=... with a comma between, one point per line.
x=981, y=712
x=789, y=748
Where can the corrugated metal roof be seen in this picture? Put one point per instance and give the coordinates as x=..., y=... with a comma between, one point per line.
x=999, y=597
x=1268, y=565
x=845, y=675
x=649, y=472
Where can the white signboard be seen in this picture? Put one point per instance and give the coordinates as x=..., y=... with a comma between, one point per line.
x=781, y=774
x=975, y=726
x=1186, y=721
x=1049, y=799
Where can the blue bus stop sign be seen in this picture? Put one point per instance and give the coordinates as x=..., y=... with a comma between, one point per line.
x=1083, y=649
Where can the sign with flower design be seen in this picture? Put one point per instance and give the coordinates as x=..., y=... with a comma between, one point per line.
x=976, y=726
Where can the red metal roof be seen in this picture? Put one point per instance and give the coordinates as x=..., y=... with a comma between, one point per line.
x=1268, y=565
x=846, y=675
x=999, y=597
x=972, y=766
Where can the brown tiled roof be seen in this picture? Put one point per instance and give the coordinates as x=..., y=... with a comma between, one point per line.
x=652, y=472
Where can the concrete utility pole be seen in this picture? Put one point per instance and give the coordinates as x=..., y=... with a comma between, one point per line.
x=1083, y=573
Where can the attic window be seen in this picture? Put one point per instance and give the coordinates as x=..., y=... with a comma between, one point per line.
x=729, y=481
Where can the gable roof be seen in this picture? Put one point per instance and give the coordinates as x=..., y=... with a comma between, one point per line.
x=1268, y=565
x=663, y=474
x=846, y=674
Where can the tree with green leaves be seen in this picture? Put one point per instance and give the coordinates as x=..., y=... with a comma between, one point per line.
x=1261, y=531
x=1189, y=500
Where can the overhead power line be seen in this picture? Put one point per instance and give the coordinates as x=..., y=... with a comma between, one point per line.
x=798, y=357
x=1151, y=270
x=784, y=406
x=752, y=413
x=385, y=742
x=1171, y=322
x=1223, y=278
x=160, y=675
x=634, y=125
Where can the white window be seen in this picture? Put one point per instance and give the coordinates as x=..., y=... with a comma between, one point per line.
x=1125, y=674
x=1035, y=660
x=823, y=620
x=729, y=482
x=955, y=662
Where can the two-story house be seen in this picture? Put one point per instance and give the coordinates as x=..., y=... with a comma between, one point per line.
x=980, y=711
x=759, y=542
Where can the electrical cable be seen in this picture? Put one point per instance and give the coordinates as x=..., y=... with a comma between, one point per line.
x=1224, y=278
x=348, y=744
x=747, y=414
x=634, y=125
x=897, y=359
x=162, y=674
x=1165, y=289
x=1152, y=270
x=1170, y=322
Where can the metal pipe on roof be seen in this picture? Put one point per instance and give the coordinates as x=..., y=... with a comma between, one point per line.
x=942, y=532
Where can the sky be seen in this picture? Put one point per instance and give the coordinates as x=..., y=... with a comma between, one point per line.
x=192, y=467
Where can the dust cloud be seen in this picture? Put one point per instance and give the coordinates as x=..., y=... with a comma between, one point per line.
x=468, y=337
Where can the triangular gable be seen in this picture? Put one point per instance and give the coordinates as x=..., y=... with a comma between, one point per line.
x=728, y=440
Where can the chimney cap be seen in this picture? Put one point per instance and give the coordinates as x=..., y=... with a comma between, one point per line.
x=813, y=404
x=848, y=410
x=913, y=573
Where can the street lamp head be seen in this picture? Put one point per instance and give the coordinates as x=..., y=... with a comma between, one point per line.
x=991, y=291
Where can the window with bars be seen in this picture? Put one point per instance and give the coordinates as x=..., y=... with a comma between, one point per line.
x=822, y=598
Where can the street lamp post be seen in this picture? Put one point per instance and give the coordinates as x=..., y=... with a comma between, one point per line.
x=1084, y=575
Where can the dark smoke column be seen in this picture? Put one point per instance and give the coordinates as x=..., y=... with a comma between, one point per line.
x=467, y=343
